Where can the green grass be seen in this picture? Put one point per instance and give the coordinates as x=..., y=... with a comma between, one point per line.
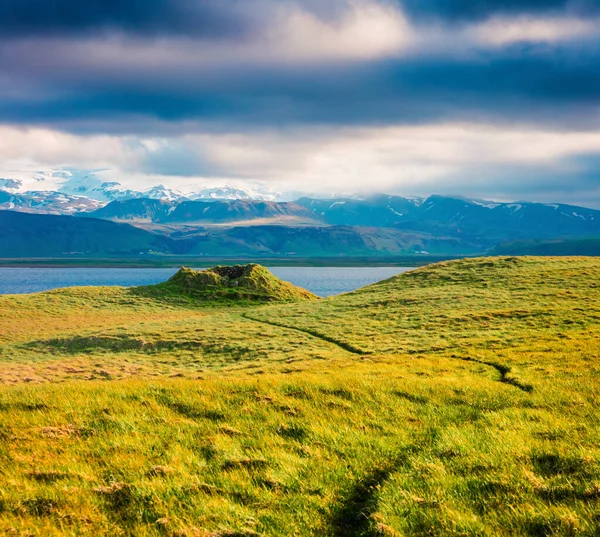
x=239, y=283
x=458, y=399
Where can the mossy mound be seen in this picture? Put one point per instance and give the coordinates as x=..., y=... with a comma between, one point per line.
x=241, y=282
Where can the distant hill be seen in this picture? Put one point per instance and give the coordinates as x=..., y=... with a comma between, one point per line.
x=134, y=210
x=323, y=242
x=377, y=226
x=487, y=223
x=375, y=211
x=203, y=212
x=28, y=235
x=481, y=223
x=556, y=247
x=239, y=210
x=35, y=235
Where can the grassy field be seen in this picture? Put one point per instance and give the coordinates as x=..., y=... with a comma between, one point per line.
x=457, y=399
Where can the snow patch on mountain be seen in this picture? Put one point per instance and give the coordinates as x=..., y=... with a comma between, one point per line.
x=486, y=204
x=10, y=185
x=227, y=192
x=48, y=202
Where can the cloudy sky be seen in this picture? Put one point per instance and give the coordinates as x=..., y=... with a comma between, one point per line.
x=496, y=99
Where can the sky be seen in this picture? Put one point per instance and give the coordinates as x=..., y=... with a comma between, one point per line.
x=480, y=98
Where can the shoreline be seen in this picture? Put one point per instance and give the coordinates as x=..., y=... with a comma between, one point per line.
x=400, y=261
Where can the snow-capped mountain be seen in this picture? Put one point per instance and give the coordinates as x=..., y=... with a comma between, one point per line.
x=89, y=184
x=11, y=185
x=230, y=193
x=100, y=185
x=67, y=181
x=47, y=202
x=115, y=192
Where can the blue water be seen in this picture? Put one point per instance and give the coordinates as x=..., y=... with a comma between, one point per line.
x=323, y=281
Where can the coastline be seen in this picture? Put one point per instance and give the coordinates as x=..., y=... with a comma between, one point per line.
x=202, y=262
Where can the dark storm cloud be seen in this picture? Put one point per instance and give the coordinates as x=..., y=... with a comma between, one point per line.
x=470, y=10
x=548, y=83
x=499, y=87
x=231, y=17
x=25, y=18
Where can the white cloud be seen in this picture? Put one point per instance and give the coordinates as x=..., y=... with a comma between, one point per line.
x=389, y=154
x=366, y=30
x=413, y=160
x=57, y=148
x=497, y=32
x=502, y=31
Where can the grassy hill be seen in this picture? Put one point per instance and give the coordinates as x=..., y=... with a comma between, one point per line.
x=238, y=283
x=457, y=399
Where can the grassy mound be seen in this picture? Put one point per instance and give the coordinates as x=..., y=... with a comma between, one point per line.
x=241, y=282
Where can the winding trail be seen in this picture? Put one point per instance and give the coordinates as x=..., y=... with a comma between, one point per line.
x=504, y=371
x=348, y=347
x=353, y=517
x=354, y=514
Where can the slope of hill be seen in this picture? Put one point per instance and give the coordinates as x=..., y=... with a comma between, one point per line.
x=485, y=222
x=374, y=211
x=457, y=399
x=33, y=235
x=506, y=221
x=231, y=211
x=134, y=210
x=204, y=212
x=556, y=247
x=323, y=241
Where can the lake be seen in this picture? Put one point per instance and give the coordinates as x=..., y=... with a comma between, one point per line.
x=323, y=281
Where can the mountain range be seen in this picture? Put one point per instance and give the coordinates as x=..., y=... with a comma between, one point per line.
x=45, y=192
x=47, y=202
x=205, y=212
x=25, y=235
x=227, y=221
x=485, y=224
x=84, y=200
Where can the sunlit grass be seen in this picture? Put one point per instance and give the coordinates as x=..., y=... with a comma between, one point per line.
x=460, y=399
